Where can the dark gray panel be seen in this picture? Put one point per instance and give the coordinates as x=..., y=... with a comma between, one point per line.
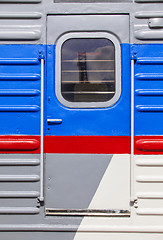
x=72, y=179
x=38, y=235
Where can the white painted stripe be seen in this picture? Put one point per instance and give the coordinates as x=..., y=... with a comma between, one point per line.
x=113, y=191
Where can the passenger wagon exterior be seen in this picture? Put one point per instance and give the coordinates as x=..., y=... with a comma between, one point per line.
x=81, y=112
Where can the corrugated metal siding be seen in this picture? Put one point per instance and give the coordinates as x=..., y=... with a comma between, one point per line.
x=21, y=22
x=19, y=184
x=20, y=71
x=148, y=89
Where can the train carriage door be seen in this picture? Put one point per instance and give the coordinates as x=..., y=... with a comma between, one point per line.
x=87, y=140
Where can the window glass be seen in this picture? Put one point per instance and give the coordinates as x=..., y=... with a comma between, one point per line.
x=88, y=70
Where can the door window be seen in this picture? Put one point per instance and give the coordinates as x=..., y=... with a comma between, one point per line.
x=88, y=70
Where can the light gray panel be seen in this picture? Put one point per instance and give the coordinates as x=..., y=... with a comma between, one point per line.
x=149, y=34
x=20, y=1
x=48, y=7
x=21, y=22
x=19, y=184
x=20, y=34
x=19, y=162
x=147, y=14
x=19, y=178
x=156, y=22
x=146, y=25
x=89, y=1
x=72, y=179
x=115, y=24
x=19, y=194
x=25, y=15
x=19, y=210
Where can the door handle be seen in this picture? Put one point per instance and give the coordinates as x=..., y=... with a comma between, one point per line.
x=41, y=198
x=54, y=121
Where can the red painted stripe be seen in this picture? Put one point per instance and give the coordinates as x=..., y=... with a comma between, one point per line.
x=148, y=144
x=87, y=144
x=82, y=144
x=19, y=144
x=66, y=144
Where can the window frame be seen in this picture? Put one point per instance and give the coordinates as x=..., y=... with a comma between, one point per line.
x=91, y=35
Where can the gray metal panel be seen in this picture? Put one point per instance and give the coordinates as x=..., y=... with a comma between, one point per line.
x=38, y=235
x=149, y=34
x=17, y=15
x=18, y=201
x=19, y=162
x=19, y=8
x=19, y=210
x=19, y=194
x=90, y=1
x=72, y=179
x=147, y=14
x=117, y=25
x=148, y=1
x=147, y=26
x=22, y=21
x=29, y=33
x=19, y=178
x=156, y=22
x=20, y=1
x=19, y=183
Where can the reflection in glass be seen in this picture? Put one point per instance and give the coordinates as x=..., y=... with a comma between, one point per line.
x=88, y=70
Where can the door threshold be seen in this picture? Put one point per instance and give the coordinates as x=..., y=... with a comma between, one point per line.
x=87, y=212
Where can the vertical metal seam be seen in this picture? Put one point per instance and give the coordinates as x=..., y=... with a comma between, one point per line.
x=132, y=131
x=42, y=135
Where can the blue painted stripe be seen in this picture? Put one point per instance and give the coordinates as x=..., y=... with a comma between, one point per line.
x=149, y=60
x=109, y=121
x=148, y=76
x=20, y=61
x=148, y=89
x=19, y=77
x=19, y=92
x=22, y=116
x=149, y=108
x=149, y=92
x=22, y=108
x=20, y=81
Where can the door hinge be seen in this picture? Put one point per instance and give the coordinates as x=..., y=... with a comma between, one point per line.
x=133, y=56
x=133, y=53
x=40, y=202
x=41, y=55
x=134, y=203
